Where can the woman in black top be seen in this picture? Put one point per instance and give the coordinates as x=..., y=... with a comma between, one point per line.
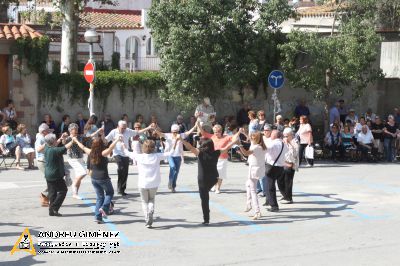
x=97, y=165
x=207, y=170
x=389, y=137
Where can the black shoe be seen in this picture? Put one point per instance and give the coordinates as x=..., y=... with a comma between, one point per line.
x=266, y=203
x=274, y=209
x=205, y=223
x=55, y=213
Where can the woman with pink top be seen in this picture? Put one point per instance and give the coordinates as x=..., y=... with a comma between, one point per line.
x=220, y=141
x=306, y=139
x=256, y=162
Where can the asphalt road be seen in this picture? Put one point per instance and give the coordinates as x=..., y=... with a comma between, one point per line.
x=343, y=214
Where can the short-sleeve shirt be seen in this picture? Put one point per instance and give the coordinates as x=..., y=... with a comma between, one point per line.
x=377, y=127
x=171, y=143
x=207, y=168
x=54, y=167
x=74, y=152
x=253, y=126
x=391, y=129
x=6, y=139
x=365, y=138
x=24, y=141
x=100, y=170
x=219, y=143
x=39, y=142
x=303, y=133
x=257, y=158
x=118, y=150
x=149, y=168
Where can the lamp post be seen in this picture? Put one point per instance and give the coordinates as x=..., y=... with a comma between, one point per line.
x=91, y=37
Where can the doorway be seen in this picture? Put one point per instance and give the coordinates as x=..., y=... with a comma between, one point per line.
x=4, y=89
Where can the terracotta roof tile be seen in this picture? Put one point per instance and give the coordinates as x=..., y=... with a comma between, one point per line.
x=110, y=20
x=16, y=31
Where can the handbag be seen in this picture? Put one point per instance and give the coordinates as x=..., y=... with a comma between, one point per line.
x=67, y=178
x=309, y=152
x=272, y=170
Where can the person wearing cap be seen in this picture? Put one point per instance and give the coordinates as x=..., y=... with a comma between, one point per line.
x=174, y=147
x=205, y=114
x=119, y=151
x=352, y=116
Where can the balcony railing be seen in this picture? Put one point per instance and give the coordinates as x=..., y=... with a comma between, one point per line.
x=141, y=64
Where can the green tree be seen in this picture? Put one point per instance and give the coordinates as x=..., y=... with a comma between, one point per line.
x=325, y=65
x=209, y=46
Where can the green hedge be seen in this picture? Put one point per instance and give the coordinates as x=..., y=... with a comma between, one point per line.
x=52, y=86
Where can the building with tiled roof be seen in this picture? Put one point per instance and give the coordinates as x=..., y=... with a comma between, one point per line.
x=16, y=31
x=104, y=19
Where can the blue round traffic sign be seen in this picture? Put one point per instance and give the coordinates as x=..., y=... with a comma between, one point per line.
x=276, y=79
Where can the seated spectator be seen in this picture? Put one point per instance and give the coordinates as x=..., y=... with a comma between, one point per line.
x=365, y=142
x=107, y=124
x=139, y=119
x=126, y=119
x=369, y=115
x=377, y=131
x=261, y=120
x=242, y=116
x=81, y=122
x=333, y=141
x=182, y=126
x=47, y=119
x=90, y=127
x=11, y=114
x=352, y=116
x=63, y=127
x=9, y=145
x=348, y=142
x=25, y=143
x=301, y=109
x=358, y=126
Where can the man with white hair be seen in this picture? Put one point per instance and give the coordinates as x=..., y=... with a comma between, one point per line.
x=54, y=172
x=365, y=141
x=120, y=151
x=205, y=114
x=275, y=159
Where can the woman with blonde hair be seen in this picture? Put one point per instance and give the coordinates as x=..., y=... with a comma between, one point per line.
x=256, y=161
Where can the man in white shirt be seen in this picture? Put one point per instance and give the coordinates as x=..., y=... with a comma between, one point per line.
x=275, y=158
x=365, y=141
x=120, y=151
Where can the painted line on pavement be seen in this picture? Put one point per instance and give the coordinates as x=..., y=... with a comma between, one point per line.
x=252, y=227
x=124, y=239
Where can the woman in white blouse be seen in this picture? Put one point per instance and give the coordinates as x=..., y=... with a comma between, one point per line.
x=25, y=143
x=175, y=147
x=256, y=162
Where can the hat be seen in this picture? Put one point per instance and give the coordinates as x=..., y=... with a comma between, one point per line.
x=43, y=127
x=175, y=128
x=267, y=127
x=351, y=110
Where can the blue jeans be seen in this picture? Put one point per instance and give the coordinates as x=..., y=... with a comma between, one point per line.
x=101, y=186
x=388, y=145
x=260, y=185
x=174, y=166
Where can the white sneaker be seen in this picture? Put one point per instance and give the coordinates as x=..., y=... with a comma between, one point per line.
x=213, y=189
x=217, y=191
x=76, y=196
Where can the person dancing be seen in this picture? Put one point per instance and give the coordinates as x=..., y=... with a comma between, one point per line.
x=256, y=162
x=98, y=170
x=207, y=175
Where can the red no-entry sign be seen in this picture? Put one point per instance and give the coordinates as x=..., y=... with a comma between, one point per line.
x=88, y=72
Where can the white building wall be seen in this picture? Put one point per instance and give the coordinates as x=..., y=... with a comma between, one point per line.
x=123, y=5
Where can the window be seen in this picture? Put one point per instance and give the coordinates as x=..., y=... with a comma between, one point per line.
x=148, y=47
x=131, y=48
x=116, y=44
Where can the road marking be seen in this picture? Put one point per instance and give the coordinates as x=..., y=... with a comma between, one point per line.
x=8, y=185
x=124, y=239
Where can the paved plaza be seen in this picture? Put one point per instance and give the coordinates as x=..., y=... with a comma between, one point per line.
x=344, y=214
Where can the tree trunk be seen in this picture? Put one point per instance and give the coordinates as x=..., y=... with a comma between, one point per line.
x=68, y=62
x=327, y=97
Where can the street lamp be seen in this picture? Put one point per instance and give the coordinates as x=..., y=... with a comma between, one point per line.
x=91, y=37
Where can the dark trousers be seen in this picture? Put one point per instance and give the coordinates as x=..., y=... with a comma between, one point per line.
x=301, y=154
x=57, y=192
x=334, y=149
x=123, y=167
x=285, y=183
x=205, y=201
x=272, y=188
